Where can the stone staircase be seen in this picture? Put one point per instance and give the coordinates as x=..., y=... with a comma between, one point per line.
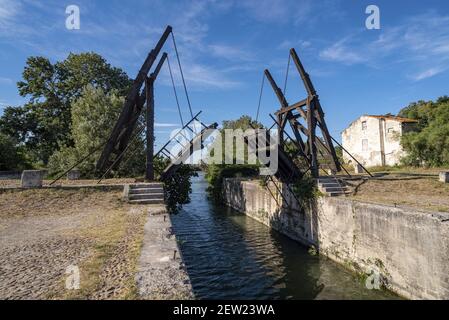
x=332, y=187
x=144, y=193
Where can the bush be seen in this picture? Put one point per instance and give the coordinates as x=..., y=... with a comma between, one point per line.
x=306, y=189
x=178, y=188
x=216, y=173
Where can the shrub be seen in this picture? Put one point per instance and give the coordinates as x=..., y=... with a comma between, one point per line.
x=216, y=173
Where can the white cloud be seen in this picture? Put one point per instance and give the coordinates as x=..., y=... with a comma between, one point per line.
x=287, y=44
x=232, y=53
x=419, y=42
x=165, y=125
x=202, y=76
x=341, y=52
x=279, y=11
x=427, y=73
x=6, y=80
x=8, y=9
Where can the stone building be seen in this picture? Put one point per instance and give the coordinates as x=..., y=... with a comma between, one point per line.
x=375, y=140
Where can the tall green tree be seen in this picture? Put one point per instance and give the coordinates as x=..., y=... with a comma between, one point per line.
x=43, y=123
x=11, y=155
x=429, y=144
x=93, y=115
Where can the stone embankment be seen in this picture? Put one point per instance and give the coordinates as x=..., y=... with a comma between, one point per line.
x=408, y=247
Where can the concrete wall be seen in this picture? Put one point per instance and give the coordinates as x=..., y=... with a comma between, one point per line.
x=383, y=141
x=408, y=247
x=284, y=215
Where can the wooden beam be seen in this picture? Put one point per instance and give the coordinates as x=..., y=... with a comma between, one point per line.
x=304, y=75
x=149, y=93
x=284, y=117
x=131, y=100
x=311, y=124
x=156, y=71
x=297, y=105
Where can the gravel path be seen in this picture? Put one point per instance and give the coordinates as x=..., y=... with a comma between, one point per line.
x=161, y=272
x=34, y=255
x=44, y=232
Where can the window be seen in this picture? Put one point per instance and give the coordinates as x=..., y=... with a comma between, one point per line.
x=390, y=130
x=363, y=125
x=365, y=145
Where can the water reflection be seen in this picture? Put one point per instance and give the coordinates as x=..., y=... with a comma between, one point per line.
x=231, y=256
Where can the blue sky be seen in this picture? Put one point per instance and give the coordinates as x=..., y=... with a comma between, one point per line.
x=226, y=45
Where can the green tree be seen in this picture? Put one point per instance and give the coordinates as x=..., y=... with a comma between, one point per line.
x=92, y=117
x=216, y=172
x=429, y=144
x=43, y=123
x=244, y=122
x=11, y=155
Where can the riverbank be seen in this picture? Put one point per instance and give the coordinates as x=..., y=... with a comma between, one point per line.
x=407, y=247
x=161, y=272
x=118, y=250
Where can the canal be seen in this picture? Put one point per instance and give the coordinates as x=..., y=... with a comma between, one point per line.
x=231, y=256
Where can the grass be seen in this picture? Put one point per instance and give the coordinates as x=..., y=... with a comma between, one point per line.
x=399, y=169
x=117, y=247
x=418, y=189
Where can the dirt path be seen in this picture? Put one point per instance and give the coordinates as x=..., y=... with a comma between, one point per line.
x=43, y=232
x=414, y=190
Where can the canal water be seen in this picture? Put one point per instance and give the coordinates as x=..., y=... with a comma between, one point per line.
x=231, y=256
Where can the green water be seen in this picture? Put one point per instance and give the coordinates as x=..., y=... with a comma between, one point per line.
x=231, y=256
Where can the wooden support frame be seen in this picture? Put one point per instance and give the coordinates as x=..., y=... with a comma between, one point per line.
x=310, y=111
x=149, y=92
x=132, y=108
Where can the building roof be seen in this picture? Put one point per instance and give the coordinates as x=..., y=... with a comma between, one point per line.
x=395, y=118
x=389, y=117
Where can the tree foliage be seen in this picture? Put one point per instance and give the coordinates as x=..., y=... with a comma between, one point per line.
x=216, y=172
x=178, y=188
x=92, y=116
x=244, y=122
x=11, y=155
x=43, y=123
x=429, y=145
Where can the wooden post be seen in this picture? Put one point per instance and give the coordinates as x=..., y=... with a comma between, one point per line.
x=311, y=123
x=149, y=92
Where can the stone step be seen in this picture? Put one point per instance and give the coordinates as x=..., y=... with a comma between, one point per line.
x=327, y=181
x=146, y=185
x=144, y=196
x=147, y=201
x=336, y=193
x=329, y=185
x=146, y=190
x=335, y=189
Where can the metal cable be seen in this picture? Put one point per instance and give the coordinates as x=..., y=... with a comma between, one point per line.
x=260, y=96
x=140, y=130
x=182, y=74
x=174, y=90
x=286, y=73
x=129, y=157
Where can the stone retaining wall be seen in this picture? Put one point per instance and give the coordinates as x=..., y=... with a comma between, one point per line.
x=408, y=247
